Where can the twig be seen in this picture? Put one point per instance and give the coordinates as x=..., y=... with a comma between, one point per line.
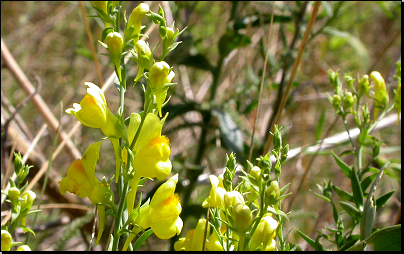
x=262, y=84
x=292, y=75
x=37, y=100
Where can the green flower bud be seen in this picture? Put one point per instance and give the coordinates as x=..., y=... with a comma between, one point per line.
x=13, y=194
x=381, y=95
x=159, y=74
x=114, y=42
x=102, y=8
x=255, y=172
x=242, y=218
x=364, y=86
x=6, y=240
x=348, y=101
x=135, y=21
x=277, y=141
x=24, y=248
x=336, y=101
x=349, y=80
x=272, y=193
x=28, y=199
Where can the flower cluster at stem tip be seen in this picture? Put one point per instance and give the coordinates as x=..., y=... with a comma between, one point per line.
x=141, y=151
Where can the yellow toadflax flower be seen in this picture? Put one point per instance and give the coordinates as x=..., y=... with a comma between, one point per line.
x=151, y=148
x=159, y=75
x=216, y=194
x=94, y=112
x=162, y=214
x=81, y=181
x=264, y=234
x=381, y=95
x=194, y=238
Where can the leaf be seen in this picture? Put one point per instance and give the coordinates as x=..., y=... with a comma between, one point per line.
x=367, y=181
x=351, y=210
x=343, y=194
x=383, y=199
x=142, y=239
x=28, y=230
x=344, y=167
x=369, y=210
x=386, y=239
x=322, y=197
x=356, y=190
x=306, y=238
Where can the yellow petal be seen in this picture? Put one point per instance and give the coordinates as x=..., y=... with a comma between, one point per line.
x=76, y=181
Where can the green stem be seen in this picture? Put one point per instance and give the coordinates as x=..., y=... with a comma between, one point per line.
x=119, y=216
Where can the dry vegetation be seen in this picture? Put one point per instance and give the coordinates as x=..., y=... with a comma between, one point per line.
x=49, y=40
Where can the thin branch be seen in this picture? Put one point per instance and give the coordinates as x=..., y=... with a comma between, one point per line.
x=293, y=73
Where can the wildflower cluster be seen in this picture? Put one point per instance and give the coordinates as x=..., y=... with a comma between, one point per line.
x=246, y=217
x=359, y=204
x=21, y=201
x=141, y=151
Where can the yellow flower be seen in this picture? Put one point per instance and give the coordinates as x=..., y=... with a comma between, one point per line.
x=135, y=21
x=264, y=234
x=24, y=248
x=26, y=204
x=216, y=194
x=6, y=240
x=94, y=112
x=162, y=214
x=160, y=74
x=151, y=148
x=194, y=238
x=381, y=95
x=242, y=218
x=232, y=198
x=213, y=244
x=81, y=179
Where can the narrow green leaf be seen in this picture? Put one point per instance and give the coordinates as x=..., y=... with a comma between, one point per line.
x=369, y=210
x=367, y=181
x=356, y=190
x=283, y=189
x=351, y=210
x=306, y=238
x=344, y=167
x=321, y=196
x=142, y=239
x=343, y=194
x=383, y=199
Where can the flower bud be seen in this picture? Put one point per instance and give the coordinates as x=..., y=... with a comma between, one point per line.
x=13, y=194
x=216, y=194
x=114, y=42
x=285, y=151
x=265, y=233
x=277, y=140
x=348, y=101
x=336, y=101
x=272, y=193
x=103, y=7
x=233, y=198
x=381, y=95
x=6, y=240
x=28, y=199
x=364, y=86
x=24, y=248
x=135, y=21
x=242, y=218
x=159, y=74
x=255, y=172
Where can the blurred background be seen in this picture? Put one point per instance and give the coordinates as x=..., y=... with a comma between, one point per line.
x=219, y=67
